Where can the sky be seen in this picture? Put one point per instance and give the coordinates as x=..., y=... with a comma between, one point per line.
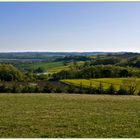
x=70, y=26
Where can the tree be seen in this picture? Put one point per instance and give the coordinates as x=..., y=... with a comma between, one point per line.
x=100, y=88
x=124, y=73
x=2, y=88
x=111, y=90
x=139, y=93
x=39, y=70
x=10, y=73
x=58, y=90
x=106, y=73
x=70, y=89
x=122, y=91
x=131, y=86
x=16, y=88
x=30, y=76
x=48, y=89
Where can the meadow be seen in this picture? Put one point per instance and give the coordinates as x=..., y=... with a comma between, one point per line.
x=69, y=115
x=106, y=82
x=49, y=66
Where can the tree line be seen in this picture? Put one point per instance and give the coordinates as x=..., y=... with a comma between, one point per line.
x=50, y=88
x=98, y=71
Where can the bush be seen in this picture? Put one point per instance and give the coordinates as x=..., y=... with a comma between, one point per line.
x=10, y=73
x=111, y=90
x=100, y=89
x=48, y=89
x=58, y=90
x=131, y=90
x=139, y=93
x=3, y=88
x=39, y=70
x=16, y=88
x=70, y=89
x=122, y=91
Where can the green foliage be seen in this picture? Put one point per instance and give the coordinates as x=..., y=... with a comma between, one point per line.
x=100, y=89
x=47, y=89
x=10, y=73
x=3, y=88
x=58, y=90
x=124, y=86
x=30, y=76
x=99, y=71
x=122, y=91
x=39, y=70
x=16, y=88
x=47, y=66
x=30, y=89
x=124, y=73
x=111, y=90
x=126, y=59
x=70, y=89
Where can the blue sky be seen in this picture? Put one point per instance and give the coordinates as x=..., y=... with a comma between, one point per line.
x=87, y=26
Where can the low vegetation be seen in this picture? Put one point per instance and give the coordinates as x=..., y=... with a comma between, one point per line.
x=65, y=115
x=50, y=67
x=117, y=83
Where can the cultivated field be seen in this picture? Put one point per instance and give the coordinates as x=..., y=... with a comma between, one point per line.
x=69, y=115
x=106, y=82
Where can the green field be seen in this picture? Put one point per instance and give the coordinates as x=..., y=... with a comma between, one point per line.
x=50, y=67
x=69, y=115
x=106, y=82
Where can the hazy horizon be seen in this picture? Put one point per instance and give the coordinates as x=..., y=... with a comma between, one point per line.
x=68, y=51
x=69, y=27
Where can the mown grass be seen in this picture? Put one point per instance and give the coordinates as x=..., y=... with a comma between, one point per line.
x=106, y=82
x=69, y=115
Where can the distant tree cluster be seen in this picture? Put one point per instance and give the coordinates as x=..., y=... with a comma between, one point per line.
x=73, y=58
x=128, y=59
x=10, y=73
x=39, y=70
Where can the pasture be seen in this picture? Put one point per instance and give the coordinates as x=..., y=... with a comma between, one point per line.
x=51, y=67
x=106, y=82
x=69, y=115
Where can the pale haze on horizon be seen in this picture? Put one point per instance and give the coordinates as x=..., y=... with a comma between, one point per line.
x=70, y=26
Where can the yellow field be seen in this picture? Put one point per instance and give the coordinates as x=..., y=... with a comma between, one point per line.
x=106, y=82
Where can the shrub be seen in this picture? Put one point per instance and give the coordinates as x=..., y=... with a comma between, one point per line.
x=111, y=90
x=16, y=88
x=70, y=89
x=100, y=89
x=58, y=90
x=122, y=91
x=48, y=89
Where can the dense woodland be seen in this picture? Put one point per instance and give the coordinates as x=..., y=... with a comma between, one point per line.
x=17, y=79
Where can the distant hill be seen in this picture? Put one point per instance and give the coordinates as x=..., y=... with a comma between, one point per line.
x=49, y=55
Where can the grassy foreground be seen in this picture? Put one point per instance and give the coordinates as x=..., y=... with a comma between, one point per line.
x=69, y=115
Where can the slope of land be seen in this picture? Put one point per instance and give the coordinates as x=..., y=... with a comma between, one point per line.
x=66, y=115
x=106, y=82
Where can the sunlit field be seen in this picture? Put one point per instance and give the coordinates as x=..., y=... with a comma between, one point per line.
x=69, y=115
x=106, y=82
